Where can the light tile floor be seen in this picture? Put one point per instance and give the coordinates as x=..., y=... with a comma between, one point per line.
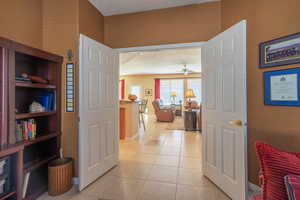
x=161, y=164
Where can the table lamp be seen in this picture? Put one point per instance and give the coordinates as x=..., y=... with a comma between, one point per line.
x=189, y=93
x=173, y=96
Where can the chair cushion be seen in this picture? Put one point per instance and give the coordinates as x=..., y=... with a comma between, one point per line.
x=257, y=197
x=275, y=165
x=292, y=183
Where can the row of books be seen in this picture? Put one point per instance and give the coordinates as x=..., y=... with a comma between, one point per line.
x=47, y=100
x=25, y=130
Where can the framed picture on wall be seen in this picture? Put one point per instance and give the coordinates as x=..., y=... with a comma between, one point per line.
x=148, y=92
x=281, y=51
x=282, y=87
x=70, y=92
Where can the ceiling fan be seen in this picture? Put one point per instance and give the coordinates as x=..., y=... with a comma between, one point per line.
x=186, y=71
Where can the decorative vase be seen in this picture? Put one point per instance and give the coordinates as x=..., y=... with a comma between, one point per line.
x=132, y=97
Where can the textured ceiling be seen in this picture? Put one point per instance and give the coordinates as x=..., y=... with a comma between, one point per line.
x=161, y=61
x=113, y=7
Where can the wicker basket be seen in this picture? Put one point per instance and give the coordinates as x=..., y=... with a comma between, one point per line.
x=60, y=173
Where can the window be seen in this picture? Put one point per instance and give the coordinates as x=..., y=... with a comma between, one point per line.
x=171, y=85
x=195, y=84
x=136, y=90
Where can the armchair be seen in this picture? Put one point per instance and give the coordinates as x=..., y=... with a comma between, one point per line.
x=163, y=114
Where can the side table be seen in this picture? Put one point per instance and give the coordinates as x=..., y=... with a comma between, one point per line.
x=190, y=120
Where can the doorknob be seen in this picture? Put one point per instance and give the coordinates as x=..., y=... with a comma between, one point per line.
x=236, y=123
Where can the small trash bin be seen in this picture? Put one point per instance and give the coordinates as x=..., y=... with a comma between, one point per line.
x=60, y=173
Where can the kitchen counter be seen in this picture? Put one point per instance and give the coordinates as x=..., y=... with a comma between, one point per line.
x=129, y=119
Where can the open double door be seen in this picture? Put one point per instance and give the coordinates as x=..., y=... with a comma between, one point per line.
x=224, y=110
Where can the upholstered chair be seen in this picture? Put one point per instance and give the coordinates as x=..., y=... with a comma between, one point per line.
x=163, y=114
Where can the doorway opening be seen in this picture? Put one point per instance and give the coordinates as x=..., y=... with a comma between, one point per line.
x=158, y=152
x=165, y=86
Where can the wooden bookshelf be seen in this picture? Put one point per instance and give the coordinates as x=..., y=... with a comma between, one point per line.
x=37, y=193
x=35, y=85
x=29, y=155
x=10, y=194
x=33, y=115
x=41, y=138
x=36, y=164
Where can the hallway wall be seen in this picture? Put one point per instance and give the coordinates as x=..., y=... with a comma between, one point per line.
x=91, y=21
x=63, y=21
x=194, y=23
x=21, y=20
x=267, y=20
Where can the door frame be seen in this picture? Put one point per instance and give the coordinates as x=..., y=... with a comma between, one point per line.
x=159, y=47
x=183, y=45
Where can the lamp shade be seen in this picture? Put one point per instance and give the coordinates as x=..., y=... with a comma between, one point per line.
x=173, y=94
x=189, y=93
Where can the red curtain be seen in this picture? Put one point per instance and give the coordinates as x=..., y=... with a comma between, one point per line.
x=157, y=88
x=122, y=89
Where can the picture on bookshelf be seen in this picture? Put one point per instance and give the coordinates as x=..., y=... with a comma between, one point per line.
x=36, y=107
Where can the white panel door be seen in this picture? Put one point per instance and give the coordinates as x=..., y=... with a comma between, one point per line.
x=225, y=111
x=98, y=110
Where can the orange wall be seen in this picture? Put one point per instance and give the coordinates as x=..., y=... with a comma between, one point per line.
x=267, y=20
x=21, y=20
x=63, y=21
x=60, y=33
x=91, y=21
x=192, y=23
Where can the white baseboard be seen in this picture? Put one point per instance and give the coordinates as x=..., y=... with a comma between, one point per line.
x=75, y=181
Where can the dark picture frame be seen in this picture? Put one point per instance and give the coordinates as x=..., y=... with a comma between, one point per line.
x=148, y=92
x=281, y=51
x=271, y=99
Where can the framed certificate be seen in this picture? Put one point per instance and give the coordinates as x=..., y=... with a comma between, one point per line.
x=282, y=87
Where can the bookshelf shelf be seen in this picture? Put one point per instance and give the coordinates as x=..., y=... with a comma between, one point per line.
x=32, y=115
x=35, y=85
x=10, y=149
x=10, y=194
x=36, y=164
x=41, y=139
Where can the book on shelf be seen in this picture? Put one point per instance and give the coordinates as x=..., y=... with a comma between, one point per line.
x=22, y=79
x=47, y=100
x=25, y=130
